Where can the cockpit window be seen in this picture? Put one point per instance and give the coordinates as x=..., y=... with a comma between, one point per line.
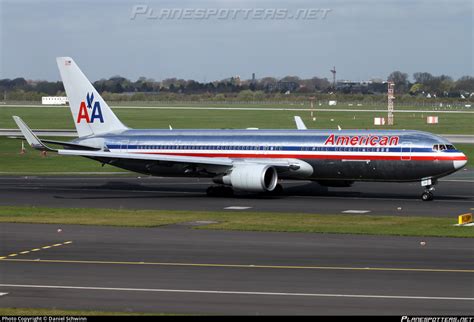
x=442, y=147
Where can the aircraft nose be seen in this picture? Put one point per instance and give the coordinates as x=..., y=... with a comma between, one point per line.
x=458, y=164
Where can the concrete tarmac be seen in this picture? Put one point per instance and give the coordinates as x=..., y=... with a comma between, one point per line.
x=180, y=270
x=454, y=195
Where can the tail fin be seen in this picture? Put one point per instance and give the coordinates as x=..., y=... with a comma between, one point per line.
x=90, y=112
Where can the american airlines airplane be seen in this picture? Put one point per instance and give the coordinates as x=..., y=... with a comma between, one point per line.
x=249, y=160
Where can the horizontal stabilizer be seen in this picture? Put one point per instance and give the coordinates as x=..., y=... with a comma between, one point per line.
x=300, y=124
x=30, y=137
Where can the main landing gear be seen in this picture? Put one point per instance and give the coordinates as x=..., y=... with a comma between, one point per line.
x=427, y=195
x=428, y=184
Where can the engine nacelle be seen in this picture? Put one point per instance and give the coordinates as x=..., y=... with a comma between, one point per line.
x=251, y=178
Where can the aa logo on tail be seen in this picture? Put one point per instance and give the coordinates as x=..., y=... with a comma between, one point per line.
x=94, y=107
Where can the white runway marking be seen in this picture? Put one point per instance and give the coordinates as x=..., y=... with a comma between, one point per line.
x=353, y=211
x=236, y=208
x=3, y=294
x=118, y=289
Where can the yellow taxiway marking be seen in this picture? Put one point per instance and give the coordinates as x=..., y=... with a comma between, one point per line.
x=35, y=250
x=433, y=270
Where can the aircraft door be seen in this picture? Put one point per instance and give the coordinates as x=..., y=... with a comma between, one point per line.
x=406, y=151
x=124, y=146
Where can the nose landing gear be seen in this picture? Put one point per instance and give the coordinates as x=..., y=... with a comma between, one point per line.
x=428, y=195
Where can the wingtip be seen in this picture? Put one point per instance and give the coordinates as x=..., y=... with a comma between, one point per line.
x=17, y=119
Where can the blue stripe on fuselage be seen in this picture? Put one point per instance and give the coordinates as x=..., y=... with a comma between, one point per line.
x=275, y=148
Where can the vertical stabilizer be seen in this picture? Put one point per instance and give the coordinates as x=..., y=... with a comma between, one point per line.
x=90, y=112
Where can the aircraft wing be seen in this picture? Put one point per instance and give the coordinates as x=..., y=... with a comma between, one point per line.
x=149, y=157
x=224, y=162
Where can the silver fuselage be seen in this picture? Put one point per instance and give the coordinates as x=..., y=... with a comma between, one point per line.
x=353, y=155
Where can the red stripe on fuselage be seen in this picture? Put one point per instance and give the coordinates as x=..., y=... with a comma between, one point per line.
x=318, y=156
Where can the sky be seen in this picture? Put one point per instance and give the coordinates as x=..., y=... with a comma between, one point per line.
x=363, y=39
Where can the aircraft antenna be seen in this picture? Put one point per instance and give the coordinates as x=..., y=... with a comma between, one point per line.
x=333, y=71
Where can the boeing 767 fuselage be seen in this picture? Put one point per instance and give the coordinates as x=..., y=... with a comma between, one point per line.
x=249, y=160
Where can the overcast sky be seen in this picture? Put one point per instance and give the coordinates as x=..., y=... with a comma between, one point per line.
x=363, y=39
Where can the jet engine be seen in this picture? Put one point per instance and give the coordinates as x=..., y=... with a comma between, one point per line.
x=251, y=178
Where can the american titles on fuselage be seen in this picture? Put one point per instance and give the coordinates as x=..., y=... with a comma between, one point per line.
x=372, y=140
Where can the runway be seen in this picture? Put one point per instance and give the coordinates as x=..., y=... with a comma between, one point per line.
x=454, y=195
x=180, y=270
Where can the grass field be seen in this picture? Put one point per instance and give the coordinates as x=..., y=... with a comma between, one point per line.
x=32, y=162
x=303, y=104
x=426, y=106
x=60, y=118
x=245, y=221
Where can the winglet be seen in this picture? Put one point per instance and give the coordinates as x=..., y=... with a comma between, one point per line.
x=300, y=124
x=32, y=139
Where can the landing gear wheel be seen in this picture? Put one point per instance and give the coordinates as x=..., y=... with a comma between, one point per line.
x=427, y=196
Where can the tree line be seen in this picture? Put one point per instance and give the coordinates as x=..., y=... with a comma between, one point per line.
x=442, y=85
x=251, y=89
